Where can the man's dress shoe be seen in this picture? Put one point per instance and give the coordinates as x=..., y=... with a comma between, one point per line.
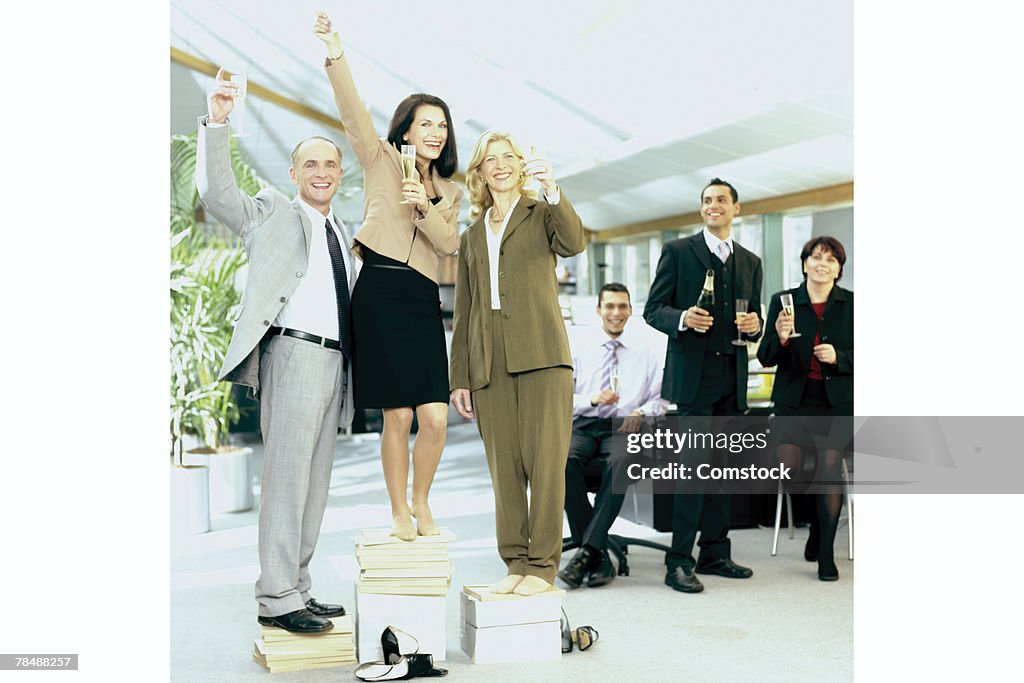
x=324, y=610
x=299, y=621
x=724, y=567
x=603, y=573
x=682, y=579
x=585, y=560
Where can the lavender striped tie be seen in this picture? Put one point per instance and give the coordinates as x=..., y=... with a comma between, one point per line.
x=611, y=366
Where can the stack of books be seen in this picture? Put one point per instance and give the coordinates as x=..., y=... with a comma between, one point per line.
x=402, y=584
x=389, y=566
x=278, y=650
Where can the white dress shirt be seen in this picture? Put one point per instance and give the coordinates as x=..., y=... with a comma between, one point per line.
x=640, y=370
x=313, y=307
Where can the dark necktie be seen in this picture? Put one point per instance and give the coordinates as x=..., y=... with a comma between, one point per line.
x=341, y=292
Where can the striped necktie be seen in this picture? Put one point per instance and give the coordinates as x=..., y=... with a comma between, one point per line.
x=609, y=368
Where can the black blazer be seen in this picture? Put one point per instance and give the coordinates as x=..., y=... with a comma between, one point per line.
x=794, y=359
x=677, y=284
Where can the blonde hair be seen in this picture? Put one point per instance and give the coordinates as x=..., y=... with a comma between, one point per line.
x=479, y=194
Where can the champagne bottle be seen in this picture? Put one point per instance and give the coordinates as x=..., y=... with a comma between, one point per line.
x=706, y=300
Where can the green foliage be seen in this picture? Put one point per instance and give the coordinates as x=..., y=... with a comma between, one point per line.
x=204, y=290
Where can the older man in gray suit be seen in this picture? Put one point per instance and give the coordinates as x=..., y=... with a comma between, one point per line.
x=292, y=346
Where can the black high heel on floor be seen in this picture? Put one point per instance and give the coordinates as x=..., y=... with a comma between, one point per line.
x=395, y=642
x=399, y=665
x=406, y=667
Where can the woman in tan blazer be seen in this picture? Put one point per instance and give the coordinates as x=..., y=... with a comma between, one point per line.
x=511, y=365
x=399, y=348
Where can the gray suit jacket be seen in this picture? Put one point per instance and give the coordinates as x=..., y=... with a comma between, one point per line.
x=276, y=235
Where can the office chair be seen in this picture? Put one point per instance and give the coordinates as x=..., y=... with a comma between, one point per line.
x=618, y=545
x=847, y=501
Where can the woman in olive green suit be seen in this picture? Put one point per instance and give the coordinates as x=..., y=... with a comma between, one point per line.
x=510, y=360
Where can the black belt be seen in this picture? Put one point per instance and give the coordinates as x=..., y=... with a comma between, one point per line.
x=305, y=336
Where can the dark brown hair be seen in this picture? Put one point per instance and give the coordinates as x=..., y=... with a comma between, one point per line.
x=401, y=121
x=827, y=244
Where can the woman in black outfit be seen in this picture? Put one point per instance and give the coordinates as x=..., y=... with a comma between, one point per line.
x=814, y=381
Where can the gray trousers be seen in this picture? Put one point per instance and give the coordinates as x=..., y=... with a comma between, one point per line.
x=300, y=407
x=525, y=421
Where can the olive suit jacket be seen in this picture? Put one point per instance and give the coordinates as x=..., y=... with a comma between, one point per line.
x=534, y=331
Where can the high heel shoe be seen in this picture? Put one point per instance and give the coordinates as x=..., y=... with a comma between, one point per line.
x=407, y=666
x=395, y=643
x=584, y=637
x=566, y=634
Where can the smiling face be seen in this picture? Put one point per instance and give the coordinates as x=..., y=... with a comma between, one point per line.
x=428, y=131
x=718, y=209
x=614, y=310
x=316, y=173
x=501, y=169
x=821, y=266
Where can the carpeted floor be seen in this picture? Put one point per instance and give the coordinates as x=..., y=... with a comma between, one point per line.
x=782, y=624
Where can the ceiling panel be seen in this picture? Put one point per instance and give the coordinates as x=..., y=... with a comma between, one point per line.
x=636, y=103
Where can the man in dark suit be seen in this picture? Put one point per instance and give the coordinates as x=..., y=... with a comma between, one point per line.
x=291, y=344
x=705, y=374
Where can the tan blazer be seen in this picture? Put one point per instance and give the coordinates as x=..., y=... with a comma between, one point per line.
x=534, y=333
x=398, y=231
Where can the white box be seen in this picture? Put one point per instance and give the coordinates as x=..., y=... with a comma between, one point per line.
x=421, y=616
x=511, y=628
x=540, y=642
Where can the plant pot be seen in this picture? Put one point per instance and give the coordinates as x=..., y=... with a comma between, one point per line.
x=230, y=480
x=190, y=500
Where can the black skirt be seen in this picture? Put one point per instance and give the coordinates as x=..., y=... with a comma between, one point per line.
x=400, y=357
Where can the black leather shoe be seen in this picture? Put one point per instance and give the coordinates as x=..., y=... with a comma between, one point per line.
x=827, y=570
x=585, y=560
x=299, y=621
x=682, y=579
x=603, y=573
x=724, y=567
x=323, y=610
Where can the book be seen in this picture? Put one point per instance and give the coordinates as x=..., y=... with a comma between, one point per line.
x=484, y=594
x=423, y=569
x=383, y=537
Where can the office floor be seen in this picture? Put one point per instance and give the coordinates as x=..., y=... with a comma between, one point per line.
x=782, y=624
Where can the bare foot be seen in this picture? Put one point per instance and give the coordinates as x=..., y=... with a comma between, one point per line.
x=507, y=585
x=401, y=527
x=424, y=520
x=531, y=585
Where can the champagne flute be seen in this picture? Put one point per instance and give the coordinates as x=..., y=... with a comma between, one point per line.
x=615, y=380
x=787, y=306
x=741, y=310
x=241, y=83
x=408, y=164
x=531, y=184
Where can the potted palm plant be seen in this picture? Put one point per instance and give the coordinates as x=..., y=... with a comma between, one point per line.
x=207, y=271
x=206, y=263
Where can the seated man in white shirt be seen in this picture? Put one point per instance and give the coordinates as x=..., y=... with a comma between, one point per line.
x=614, y=377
